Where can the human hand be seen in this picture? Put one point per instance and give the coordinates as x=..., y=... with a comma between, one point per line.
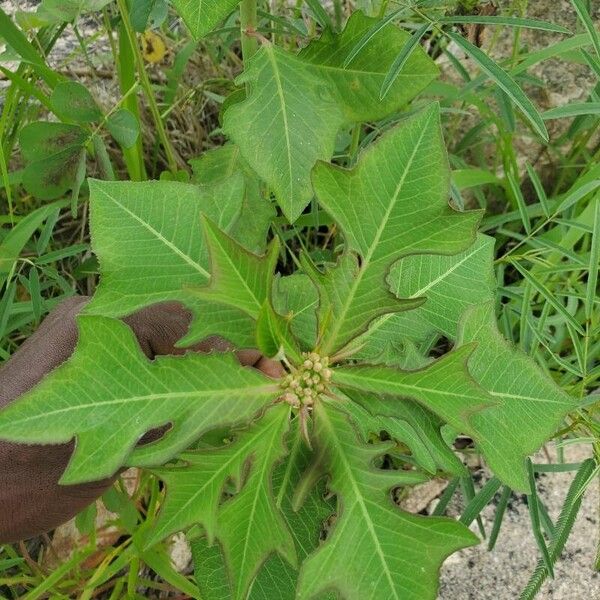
x=31, y=499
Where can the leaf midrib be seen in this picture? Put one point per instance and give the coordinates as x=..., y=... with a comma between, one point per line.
x=280, y=94
x=249, y=522
x=159, y=236
x=341, y=318
x=383, y=320
x=239, y=450
x=245, y=391
x=358, y=498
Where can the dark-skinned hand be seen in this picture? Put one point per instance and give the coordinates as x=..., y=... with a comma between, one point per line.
x=31, y=500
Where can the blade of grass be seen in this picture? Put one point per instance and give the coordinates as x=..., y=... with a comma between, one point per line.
x=565, y=522
x=516, y=190
x=510, y=21
x=539, y=189
x=504, y=81
x=16, y=39
x=572, y=110
x=320, y=14
x=367, y=37
x=401, y=59
x=591, y=290
x=468, y=491
x=534, y=513
x=499, y=516
x=480, y=501
x=445, y=498
x=547, y=294
x=584, y=17
x=593, y=62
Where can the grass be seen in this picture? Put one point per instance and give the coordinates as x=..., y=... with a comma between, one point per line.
x=542, y=201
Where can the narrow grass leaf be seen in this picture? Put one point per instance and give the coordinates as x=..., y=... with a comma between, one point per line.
x=499, y=516
x=518, y=195
x=480, y=501
x=592, y=61
x=572, y=110
x=365, y=39
x=565, y=522
x=547, y=294
x=16, y=39
x=468, y=491
x=577, y=195
x=320, y=14
x=503, y=20
x=504, y=81
x=6, y=303
x=534, y=513
x=591, y=290
x=401, y=59
x=445, y=498
x=35, y=294
x=539, y=189
x=586, y=19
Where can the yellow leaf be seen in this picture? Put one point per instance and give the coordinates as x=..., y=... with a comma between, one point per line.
x=153, y=47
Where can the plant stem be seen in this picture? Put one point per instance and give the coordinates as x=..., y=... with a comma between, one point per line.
x=147, y=87
x=248, y=22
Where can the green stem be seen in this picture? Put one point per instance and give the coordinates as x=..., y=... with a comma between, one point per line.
x=248, y=22
x=147, y=87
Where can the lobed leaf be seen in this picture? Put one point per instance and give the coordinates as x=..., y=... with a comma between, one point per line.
x=299, y=103
x=374, y=550
x=529, y=405
x=108, y=395
x=256, y=213
x=195, y=492
x=238, y=278
x=403, y=179
x=449, y=284
x=445, y=387
x=203, y=16
x=149, y=243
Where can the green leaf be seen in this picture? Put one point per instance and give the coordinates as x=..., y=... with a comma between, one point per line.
x=401, y=59
x=572, y=110
x=505, y=20
x=149, y=242
x=124, y=127
x=426, y=424
x=144, y=11
x=74, y=100
x=450, y=285
x=393, y=203
x=202, y=17
x=195, y=486
x=504, y=81
x=15, y=240
x=530, y=406
x=374, y=549
x=53, y=154
x=277, y=578
x=446, y=387
x=17, y=40
x=110, y=407
x=586, y=19
x=296, y=298
x=301, y=102
x=238, y=278
x=68, y=10
x=257, y=212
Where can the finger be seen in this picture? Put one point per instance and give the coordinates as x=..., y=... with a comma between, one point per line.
x=50, y=346
x=270, y=367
